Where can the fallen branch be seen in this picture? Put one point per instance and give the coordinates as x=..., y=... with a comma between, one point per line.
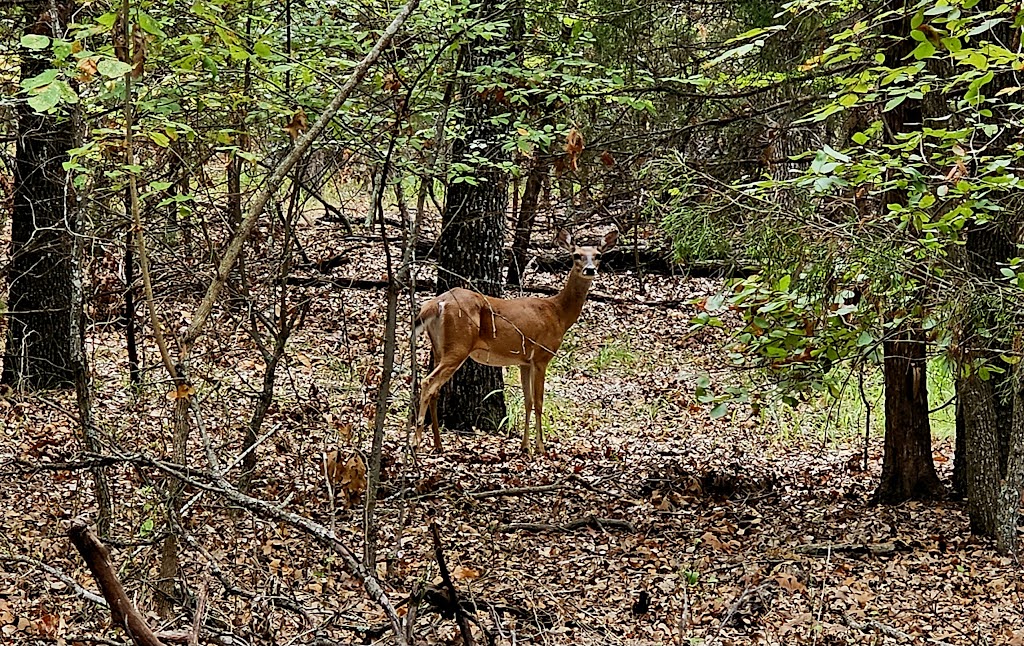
x=461, y=616
x=823, y=549
x=428, y=285
x=870, y=625
x=516, y=491
x=589, y=521
x=80, y=591
x=267, y=510
x=97, y=557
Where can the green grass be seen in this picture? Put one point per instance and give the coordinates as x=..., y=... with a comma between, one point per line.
x=556, y=409
x=614, y=352
x=843, y=421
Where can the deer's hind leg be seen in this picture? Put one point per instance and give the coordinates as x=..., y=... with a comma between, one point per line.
x=430, y=388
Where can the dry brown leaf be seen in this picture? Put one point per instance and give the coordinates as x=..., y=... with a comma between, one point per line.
x=138, y=51
x=789, y=582
x=462, y=573
x=573, y=147
x=298, y=124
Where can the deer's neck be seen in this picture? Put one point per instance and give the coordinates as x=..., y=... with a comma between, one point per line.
x=570, y=300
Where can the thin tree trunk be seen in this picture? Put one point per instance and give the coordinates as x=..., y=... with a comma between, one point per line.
x=83, y=383
x=130, y=334
x=527, y=216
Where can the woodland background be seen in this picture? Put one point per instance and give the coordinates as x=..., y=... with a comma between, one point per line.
x=792, y=411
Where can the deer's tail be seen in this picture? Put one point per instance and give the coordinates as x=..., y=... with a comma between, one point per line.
x=428, y=313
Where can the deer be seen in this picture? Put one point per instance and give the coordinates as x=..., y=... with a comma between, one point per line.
x=525, y=332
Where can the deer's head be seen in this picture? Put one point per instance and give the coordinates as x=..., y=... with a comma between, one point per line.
x=586, y=259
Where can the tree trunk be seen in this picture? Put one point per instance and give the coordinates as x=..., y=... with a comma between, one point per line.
x=473, y=235
x=525, y=221
x=908, y=471
x=38, y=350
x=991, y=402
x=960, y=451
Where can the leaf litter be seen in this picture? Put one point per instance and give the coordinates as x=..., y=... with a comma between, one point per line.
x=648, y=523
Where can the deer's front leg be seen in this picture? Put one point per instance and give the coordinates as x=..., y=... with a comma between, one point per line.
x=538, y=403
x=526, y=379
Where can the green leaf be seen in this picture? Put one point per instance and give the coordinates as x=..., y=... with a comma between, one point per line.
x=860, y=138
x=262, y=49
x=952, y=44
x=720, y=410
x=160, y=139
x=35, y=41
x=112, y=68
x=45, y=78
x=149, y=24
x=924, y=50
x=894, y=102
x=848, y=100
x=865, y=339
x=47, y=99
x=835, y=154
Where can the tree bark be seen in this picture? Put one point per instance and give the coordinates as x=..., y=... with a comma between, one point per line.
x=908, y=471
x=38, y=350
x=472, y=237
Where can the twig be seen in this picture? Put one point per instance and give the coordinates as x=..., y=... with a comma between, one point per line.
x=824, y=549
x=197, y=620
x=740, y=601
x=589, y=521
x=453, y=594
x=516, y=491
x=80, y=591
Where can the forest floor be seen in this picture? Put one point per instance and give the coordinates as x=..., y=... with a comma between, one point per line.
x=648, y=522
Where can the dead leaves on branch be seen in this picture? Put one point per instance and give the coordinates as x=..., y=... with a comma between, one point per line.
x=346, y=474
x=573, y=148
x=297, y=125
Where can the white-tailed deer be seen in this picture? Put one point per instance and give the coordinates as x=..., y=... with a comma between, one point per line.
x=525, y=332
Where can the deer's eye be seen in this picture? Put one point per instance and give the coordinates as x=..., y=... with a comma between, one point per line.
x=576, y=256
x=597, y=256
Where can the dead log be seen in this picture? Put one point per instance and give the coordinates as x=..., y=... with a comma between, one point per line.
x=97, y=557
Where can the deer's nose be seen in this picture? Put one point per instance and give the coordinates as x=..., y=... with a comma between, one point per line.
x=589, y=270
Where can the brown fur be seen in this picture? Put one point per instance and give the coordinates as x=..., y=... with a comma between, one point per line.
x=523, y=332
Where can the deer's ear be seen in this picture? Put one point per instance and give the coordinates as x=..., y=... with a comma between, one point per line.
x=609, y=240
x=564, y=240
